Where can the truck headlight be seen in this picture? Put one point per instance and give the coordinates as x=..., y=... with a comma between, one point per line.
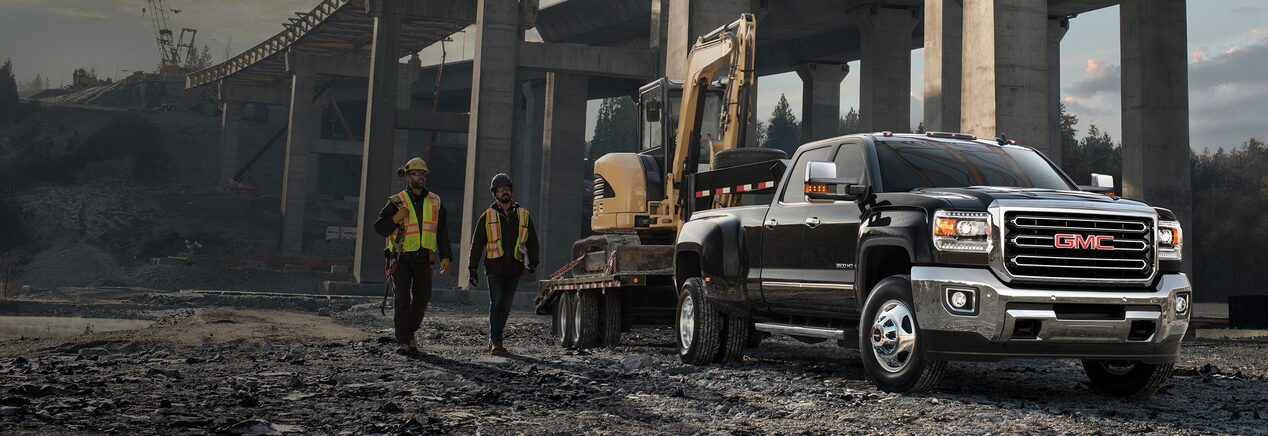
x=962, y=231
x=1170, y=240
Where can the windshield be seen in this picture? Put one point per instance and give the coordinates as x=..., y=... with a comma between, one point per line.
x=913, y=164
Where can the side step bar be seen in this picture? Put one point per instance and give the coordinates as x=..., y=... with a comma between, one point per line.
x=798, y=330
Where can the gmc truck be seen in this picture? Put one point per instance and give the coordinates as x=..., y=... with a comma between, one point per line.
x=930, y=248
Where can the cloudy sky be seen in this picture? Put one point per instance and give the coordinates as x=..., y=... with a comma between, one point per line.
x=1228, y=55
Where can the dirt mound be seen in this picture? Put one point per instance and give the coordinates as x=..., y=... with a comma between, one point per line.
x=71, y=265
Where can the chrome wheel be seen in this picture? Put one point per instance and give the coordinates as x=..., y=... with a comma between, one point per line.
x=1117, y=367
x=576, y=317
x=893, y=336
x=686, y=322
x=561, y=313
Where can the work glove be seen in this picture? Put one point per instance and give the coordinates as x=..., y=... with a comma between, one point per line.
x=444, y=266
x=401, y=215
x=474, y=278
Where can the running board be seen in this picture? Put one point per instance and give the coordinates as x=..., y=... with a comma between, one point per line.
x=797, y=330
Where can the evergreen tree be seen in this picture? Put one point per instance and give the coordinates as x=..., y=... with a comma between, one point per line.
x=920, y=128
x=8, y=93
x=759, y=135
x=783, y=131
x=616, y=129
x=850, y=122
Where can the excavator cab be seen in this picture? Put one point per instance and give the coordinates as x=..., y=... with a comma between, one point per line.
x=658, y=104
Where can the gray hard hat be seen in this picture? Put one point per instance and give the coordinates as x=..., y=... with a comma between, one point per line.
x=500, y=180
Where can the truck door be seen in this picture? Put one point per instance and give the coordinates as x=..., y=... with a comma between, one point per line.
x=831, y=237
x=783, y=238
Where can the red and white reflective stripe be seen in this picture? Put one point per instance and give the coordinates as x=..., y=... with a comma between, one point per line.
x=741, y=188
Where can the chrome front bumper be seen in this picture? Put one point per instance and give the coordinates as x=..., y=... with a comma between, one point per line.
x=991, y=332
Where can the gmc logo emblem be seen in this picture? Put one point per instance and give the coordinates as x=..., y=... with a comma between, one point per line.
x=1089, y=242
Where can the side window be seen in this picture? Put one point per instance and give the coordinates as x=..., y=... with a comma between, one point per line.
x=851, y=162
x=794, y=189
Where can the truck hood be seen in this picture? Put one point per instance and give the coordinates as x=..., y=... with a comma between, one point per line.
x=981, y=197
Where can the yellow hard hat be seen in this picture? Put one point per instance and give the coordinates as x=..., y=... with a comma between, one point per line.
x=414, y=164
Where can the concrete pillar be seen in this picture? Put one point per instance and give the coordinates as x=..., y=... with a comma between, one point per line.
x=821, y=99
x=299, y=168
x=563, y=161
x=1005, y=67
x=377, y=176
x=690, y=19
x=527, y=173
x=230, y=122
x=659, y=35
x=404, y=101
x=885, y=68
x=1156, y=109
x=944, y=27
x=1056, y=31
x=493, y=93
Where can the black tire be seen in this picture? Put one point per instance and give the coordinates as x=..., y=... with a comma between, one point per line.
x=563, y=327
x=697, y=325
x=612, y=321
x=1128, y=379
x=897, y=361
x=735, y=333
x=589, y=323
x=744, y=156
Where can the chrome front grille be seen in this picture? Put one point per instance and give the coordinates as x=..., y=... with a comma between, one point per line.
x=1078, y=247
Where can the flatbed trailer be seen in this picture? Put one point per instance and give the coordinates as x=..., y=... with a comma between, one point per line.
x=615, y=281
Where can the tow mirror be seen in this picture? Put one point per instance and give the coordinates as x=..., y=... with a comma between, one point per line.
x=652, y=111
x=1101, y=183
x=822, y=184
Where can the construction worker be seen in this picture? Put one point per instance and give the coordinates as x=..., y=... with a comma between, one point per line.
x=507, y=239
x=413, y=221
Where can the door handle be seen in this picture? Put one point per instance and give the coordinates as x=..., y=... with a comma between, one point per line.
x=771, y=223
x=812, y=222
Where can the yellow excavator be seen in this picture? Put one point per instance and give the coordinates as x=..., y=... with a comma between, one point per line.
x=691, y=157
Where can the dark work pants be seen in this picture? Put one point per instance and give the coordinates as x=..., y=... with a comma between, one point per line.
x=501, y=292
x=413, y=291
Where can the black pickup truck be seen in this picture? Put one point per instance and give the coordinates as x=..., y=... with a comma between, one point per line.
x=938, y=247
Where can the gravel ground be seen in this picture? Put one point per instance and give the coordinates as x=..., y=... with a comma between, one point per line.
x=244, y=364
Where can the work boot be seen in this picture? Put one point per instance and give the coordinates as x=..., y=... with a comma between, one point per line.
x=403, y=350
x=413, y=345
x=498, y=350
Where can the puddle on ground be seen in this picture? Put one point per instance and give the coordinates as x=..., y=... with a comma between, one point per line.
x=14, y=327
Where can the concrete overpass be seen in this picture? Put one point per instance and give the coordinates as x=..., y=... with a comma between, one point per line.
x=991, y=66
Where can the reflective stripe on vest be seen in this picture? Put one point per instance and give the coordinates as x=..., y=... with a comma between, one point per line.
x=417, y=235
x=493, y=233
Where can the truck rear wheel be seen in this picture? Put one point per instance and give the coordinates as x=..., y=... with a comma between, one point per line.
x=563, y=320
x=697, y=323
x=735, y=333
x=890, y=345
x=1131, y=379
x=587, y=322
x=612, y=317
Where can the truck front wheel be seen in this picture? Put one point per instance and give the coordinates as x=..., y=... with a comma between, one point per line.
x=1131, y=379
x=890, y=344
x=698, y=324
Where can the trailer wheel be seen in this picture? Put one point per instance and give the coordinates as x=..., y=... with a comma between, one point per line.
x=698, y=324
x=612, y=322
x=1131, y=379
x=587, y=323
x=735, y=333
x=563, y=320
x=891, y=344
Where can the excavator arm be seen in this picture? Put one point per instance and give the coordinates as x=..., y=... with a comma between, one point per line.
x=724, y=54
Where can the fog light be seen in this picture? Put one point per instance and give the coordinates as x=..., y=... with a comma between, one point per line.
x=961, y=301
x=1182, y=303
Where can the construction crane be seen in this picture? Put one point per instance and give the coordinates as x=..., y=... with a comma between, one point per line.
x=170, y=47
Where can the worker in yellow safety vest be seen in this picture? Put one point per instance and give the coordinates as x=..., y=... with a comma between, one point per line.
x=507, y=239
x=413, y=221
